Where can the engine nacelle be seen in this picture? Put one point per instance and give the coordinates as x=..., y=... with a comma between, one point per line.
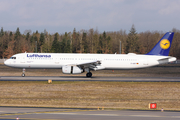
x=72, y=70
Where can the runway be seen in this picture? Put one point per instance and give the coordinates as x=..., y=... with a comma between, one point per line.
x=82, y=78
x=12, y=113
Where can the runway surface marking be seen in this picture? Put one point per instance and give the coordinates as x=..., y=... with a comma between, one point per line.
x=146, y=116
x=84, y=114
x=80, y=78
x=78, y=114
x=40, y=112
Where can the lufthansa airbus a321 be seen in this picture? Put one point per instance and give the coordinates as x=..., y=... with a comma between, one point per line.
x=79, y=63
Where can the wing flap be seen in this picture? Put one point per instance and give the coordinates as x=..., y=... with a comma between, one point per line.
x=86, y=63
x=93, y=65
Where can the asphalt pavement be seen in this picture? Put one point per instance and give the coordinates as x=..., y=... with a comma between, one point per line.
x=82, y=78
x=22, y=113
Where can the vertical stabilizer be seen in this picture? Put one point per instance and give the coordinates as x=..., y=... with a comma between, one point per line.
x=163, y=46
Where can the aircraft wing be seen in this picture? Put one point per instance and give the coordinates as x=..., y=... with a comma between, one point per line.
x=93, y=65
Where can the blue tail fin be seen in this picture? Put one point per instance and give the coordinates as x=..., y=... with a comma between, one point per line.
x=163, y=46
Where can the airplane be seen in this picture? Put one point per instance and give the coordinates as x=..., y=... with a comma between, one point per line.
x=76, y=63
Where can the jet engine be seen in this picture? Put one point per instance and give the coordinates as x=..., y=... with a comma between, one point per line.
x=72, y=70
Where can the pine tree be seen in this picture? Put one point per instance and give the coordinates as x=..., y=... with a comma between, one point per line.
x=100, y=45
x=63, y=45
x=132, y=41
x=74, y=41
x=27, y=36
x=68, y=46
x=41, y=41
x=17, y=42
x=17, y=34
x=104, y=42
x=36, y=43
x=109, y=46
x=55, y=45
x=85, y=43
x=2, y=32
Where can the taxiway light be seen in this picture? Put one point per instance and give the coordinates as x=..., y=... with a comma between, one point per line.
x=49, y=81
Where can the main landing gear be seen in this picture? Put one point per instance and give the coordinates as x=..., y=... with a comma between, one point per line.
x=23, y=74
x=89, y=74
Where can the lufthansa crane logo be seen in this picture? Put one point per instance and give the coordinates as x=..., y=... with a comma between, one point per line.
x=164, y=44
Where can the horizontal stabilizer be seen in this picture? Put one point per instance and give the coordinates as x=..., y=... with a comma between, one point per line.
x=166, y=60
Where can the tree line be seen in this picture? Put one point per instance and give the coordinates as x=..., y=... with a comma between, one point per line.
x=84, y=41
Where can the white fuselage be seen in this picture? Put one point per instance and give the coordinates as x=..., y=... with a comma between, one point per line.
x=108, y=61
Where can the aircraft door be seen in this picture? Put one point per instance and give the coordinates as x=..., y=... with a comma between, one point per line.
x=22, y=59
x=56, y=60
x=145, y=60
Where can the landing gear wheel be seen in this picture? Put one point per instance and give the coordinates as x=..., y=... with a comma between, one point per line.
x=23, y=75
x=23, y=72
x=89, y=74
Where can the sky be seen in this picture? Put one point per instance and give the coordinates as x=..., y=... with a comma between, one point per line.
x=104, y=15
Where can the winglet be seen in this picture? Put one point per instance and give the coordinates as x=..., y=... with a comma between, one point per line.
x=163, y=46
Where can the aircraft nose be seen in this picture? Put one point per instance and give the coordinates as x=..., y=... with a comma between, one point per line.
x=6, y=62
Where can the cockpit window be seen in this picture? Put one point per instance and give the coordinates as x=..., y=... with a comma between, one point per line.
x=13, y=58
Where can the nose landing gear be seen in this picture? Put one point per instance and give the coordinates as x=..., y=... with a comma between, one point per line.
x=23, y=74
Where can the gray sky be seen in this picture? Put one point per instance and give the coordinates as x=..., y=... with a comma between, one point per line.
x=105, y=15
